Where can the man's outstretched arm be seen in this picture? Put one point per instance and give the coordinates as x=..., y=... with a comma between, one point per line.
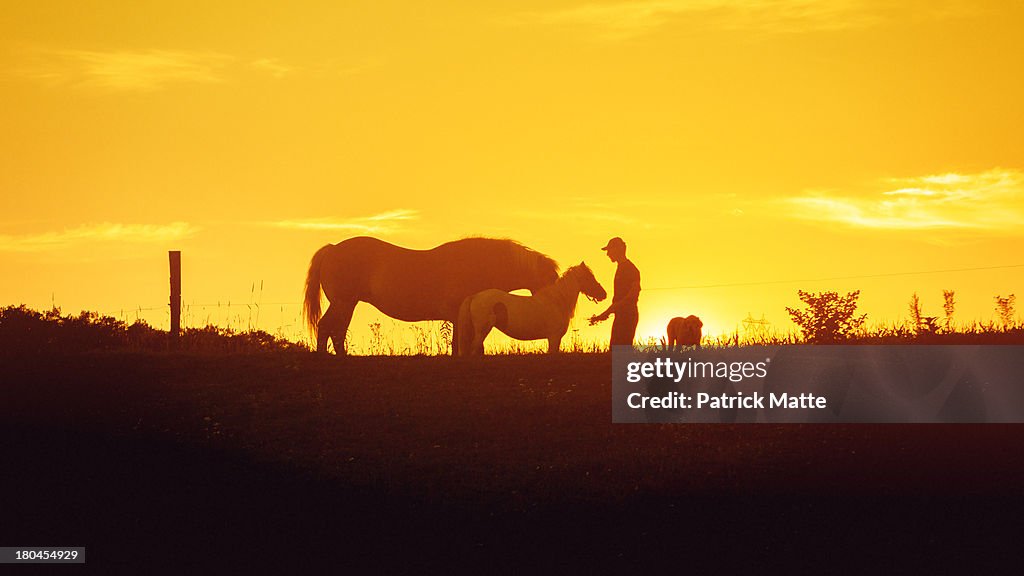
x=631, y=296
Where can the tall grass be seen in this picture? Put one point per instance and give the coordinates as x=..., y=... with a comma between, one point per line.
x=976, y=332
x=26, y=331
x=23, y=330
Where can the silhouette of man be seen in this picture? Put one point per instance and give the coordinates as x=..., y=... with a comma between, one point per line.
x=624, y=300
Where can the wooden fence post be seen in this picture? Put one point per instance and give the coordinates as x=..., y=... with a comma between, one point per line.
x=175, y=260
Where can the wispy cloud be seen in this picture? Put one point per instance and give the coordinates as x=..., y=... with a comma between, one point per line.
x=986, y=201
x=94, y=233
x=275, y=67
x=383, y=223
x=125, y=70
x=335, y=68
x=153, y=70
x=625, y=19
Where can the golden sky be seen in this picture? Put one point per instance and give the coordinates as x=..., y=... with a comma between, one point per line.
x=751, y=142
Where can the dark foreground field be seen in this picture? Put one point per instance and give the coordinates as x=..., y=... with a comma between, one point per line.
x=161, y=462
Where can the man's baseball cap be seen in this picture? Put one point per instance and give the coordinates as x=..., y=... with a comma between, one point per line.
x=614, y=242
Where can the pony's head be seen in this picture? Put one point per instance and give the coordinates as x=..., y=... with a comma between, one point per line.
x=589, y=285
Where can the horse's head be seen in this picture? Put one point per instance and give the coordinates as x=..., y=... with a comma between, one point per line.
x=589, y=285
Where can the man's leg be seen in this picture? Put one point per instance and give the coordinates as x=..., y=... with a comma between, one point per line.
x=624, y=328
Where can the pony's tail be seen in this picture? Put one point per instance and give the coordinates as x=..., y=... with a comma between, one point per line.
x=311, y=305
x=466, y=331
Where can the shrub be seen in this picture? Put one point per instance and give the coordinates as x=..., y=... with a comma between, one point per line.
x=828, y=317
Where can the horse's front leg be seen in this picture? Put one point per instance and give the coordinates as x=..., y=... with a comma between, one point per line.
x=456, y=334
x=554, y=344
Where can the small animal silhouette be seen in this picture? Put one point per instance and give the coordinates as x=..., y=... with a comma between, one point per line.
x=683, y=332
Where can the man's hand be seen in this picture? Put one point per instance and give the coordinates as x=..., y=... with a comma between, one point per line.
x=598, y=318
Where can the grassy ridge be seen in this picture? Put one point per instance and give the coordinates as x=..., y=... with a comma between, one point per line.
x=197, y=459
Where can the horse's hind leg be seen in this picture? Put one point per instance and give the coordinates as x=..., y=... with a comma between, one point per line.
x=323, y=327
x=478, y=342
x=480, y=332
x=334, y=325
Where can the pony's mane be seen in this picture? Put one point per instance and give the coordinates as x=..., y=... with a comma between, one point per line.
x=580, y=266
x=522, y=257
x=555, y=289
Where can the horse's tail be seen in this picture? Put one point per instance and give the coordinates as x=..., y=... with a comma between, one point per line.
x=311, y=306
x=467, y=333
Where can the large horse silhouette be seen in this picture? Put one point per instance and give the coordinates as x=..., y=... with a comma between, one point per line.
x=414, y=285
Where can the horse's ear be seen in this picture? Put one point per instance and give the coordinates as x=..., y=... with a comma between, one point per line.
x=582, y=263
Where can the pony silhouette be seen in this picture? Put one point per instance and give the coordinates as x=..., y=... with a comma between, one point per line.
x=413, y=285
x=683, y=332
x=546, y=314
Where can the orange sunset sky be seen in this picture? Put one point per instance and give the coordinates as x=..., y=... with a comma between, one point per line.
x=736, y=145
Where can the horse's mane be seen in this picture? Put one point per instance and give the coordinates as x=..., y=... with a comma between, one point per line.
x=522, y=257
